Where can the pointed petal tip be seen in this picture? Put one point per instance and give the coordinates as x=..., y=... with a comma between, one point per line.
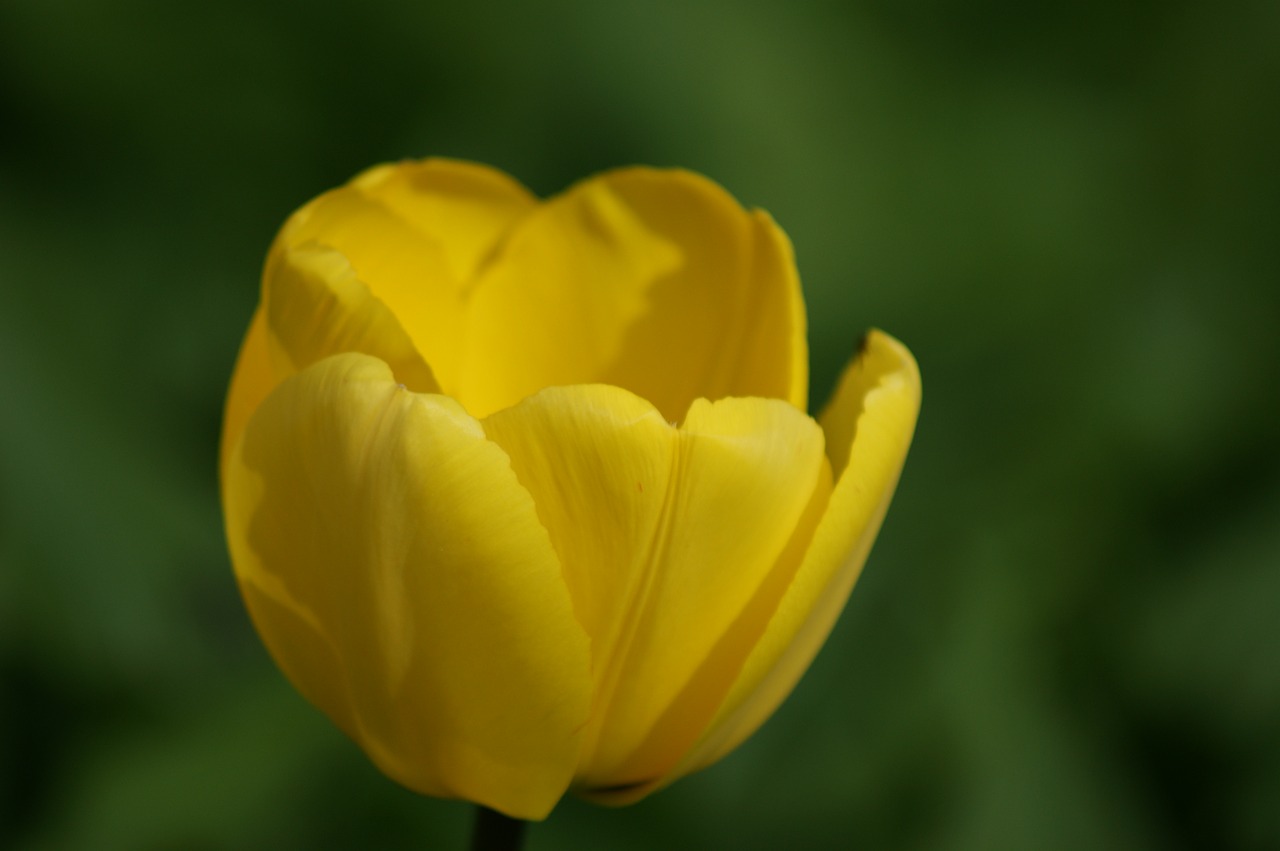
x=891, y=359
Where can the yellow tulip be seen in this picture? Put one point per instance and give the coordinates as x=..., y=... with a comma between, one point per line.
x=523, y=494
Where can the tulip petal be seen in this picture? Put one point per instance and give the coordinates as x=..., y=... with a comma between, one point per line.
x=730, y=321
x=385, y=521
x=598, y=461
x=666, y=536
x=553, y=306
x=299, y=647
x=652, y=280
x=464, y=208
x=868, y=426
x=415, y=234
x=252, y=381
x=316, y=307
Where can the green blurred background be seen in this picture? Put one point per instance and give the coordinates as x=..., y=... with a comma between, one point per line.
x=1068, y=636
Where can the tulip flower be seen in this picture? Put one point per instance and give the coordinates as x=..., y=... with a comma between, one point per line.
x=523, y=494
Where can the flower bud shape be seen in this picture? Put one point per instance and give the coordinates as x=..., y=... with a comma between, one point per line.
x=523, y=495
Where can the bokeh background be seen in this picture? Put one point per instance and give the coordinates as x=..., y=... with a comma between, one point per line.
x=1068, y=636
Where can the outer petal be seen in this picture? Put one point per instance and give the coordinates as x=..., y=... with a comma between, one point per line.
x=656, y=281
x=667, y=536
x=252, y=381
x=415, y=234
x=868, y=424
x=598, y=461
x=399, y=574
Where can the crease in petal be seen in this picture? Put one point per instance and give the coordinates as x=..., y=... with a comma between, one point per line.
x=384, y=521
x=667, y=536
x=316, y=307
x=868, y=426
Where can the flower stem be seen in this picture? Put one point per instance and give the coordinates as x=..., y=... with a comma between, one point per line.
x=492, y=831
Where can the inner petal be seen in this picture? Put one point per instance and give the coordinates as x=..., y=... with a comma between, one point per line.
x=415, y=234
x=652, y=280
x=315, y=307
x=555, y=305
x=729, y=320
x=464, y=208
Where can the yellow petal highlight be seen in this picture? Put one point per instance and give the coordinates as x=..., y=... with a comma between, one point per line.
x=385, y=521
x=868, y=426
x=653, y=280
x=316, y=307
x=667, y=536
